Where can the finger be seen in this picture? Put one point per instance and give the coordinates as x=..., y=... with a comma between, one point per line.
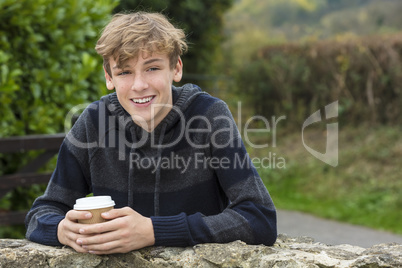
x=98, y=239
x=103, y=245
x=116, y=213
x=113, y=246
x=78, y=248
x=109, y=248
x=75, y=215
x=72, y=226
x=72, y=242
x=99, y=228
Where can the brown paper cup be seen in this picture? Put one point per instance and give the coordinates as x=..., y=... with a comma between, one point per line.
x=96, y=205
x=96, y=216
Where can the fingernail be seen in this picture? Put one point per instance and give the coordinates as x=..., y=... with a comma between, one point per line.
x=82, y=231
x=91, y=252
x=79, y=241
x=88, y=215
x=106, y=214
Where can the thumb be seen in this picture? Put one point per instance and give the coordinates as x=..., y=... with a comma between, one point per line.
x=114, y=213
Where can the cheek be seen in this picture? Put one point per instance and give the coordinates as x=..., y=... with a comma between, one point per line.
x=122, y=86
x=163, y=84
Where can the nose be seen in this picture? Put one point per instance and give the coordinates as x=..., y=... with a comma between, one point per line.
x=139, y=83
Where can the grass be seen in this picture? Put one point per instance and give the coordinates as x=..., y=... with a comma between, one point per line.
x=365, y=188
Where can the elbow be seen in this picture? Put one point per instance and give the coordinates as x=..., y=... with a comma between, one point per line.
x=271, y=238
x=267, y=237
x=265, y=232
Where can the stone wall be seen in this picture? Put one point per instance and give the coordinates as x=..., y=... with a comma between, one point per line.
x=287, y=252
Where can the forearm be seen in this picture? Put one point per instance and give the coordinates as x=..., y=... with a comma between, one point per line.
x=65, y=186
x=258, y=226
x=42, y=227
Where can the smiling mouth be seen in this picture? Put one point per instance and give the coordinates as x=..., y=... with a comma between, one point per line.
x=143, y=100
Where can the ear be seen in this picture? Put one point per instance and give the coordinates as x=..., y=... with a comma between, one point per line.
x=178, y=70
x=109, y=81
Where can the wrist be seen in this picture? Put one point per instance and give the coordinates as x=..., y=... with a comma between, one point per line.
x=171, y=231
x=60, y=232
x=150, y=232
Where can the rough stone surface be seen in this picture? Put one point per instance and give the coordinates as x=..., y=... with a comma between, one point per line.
x=287, y=252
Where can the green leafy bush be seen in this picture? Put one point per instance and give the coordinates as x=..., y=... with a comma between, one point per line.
x=47, y=61
x=363, y=74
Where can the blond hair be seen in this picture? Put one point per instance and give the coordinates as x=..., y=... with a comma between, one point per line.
x=128, y=35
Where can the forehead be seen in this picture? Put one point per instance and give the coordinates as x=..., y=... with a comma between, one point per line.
x=142, y=59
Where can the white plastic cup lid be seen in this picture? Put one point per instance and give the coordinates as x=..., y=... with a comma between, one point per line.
x=94, y=202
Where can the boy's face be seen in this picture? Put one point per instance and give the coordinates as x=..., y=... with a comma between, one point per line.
x=143, y=87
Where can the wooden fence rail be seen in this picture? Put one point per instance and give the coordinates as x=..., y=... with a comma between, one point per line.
x=28, y=175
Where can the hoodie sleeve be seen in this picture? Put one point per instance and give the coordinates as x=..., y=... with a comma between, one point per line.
x=65, y=185
x=250, y=215
x=68, y=182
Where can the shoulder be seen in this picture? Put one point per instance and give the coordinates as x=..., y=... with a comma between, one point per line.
x=90, y=118
x=207, y=105
x=93, y=113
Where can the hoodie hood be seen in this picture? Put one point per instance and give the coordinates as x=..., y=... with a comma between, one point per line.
x=162, y=133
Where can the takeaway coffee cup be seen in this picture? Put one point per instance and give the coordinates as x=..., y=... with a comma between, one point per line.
x=96, y=205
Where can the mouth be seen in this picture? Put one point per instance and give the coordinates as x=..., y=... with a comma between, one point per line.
x=143, y=100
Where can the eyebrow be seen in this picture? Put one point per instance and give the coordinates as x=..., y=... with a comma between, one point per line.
x=120, y=67
x=152, y=61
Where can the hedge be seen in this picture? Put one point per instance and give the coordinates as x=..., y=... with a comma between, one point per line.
x=47, y=61
x=363, y=74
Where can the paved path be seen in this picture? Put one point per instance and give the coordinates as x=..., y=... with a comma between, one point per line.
x=331, y=232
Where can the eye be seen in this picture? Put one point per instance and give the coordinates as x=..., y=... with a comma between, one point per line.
x=123, y=73
x=152, y=69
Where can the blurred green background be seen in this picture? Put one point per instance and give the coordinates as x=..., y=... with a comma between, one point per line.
x=269, y=58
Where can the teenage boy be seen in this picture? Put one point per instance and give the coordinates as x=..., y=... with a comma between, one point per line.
x=170, y=157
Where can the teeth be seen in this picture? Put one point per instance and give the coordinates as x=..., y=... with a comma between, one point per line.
x=142, y=100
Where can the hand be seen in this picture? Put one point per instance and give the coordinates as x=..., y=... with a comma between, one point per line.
x=125, y=231
x=68, y=229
